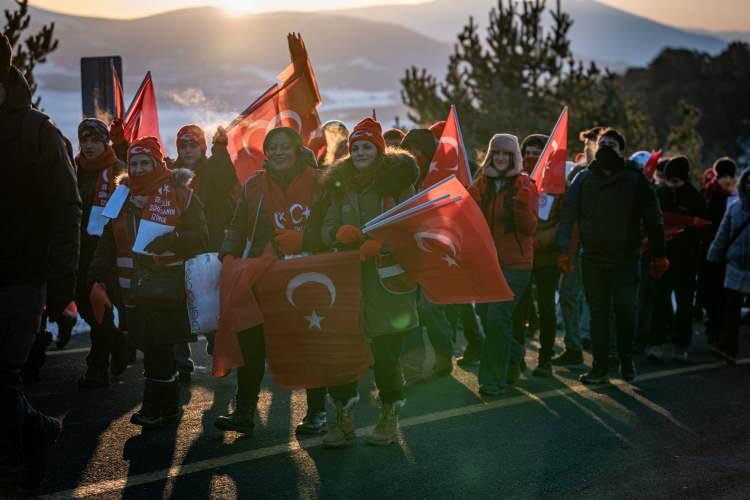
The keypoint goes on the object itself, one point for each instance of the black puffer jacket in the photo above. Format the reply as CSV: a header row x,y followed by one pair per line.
x,y
40,200
685,200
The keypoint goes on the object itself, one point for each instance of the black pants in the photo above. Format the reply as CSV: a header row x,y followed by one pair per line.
x,y
386,350
106,339
250,376
670,326
20,317
159,363
607,288
732,319
712,298
464,314
546,279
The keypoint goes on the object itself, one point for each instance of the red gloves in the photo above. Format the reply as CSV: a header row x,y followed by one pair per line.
x,y
564,264
99,301
117,132
228,258
658,267
290,242
523,196
370,249
349,235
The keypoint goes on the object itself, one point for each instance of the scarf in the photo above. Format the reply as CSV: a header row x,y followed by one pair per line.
x,y
104,160
288,203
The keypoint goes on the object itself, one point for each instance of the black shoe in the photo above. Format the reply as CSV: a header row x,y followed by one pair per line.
x,y
312,424
568,358
237,421
36,452
595,377
491,391
514,372
93,380
627,371
544,369
160,405
443,367
471,357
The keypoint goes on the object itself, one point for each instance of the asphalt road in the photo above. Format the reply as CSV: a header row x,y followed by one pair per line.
x,y
679,431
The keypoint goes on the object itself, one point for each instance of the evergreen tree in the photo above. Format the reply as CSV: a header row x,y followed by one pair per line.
x,y
34,49
684,139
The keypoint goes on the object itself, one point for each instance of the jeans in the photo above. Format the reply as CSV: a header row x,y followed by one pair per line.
x,y
572,307
386,350
500,348
465,314
439,329
611,288
20,318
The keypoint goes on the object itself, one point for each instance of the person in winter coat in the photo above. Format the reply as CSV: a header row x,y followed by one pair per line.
x,y
335,140
720,189
97,168
278,206
677,197
393,137
152,274
361,187
731,246
610,201
40,249
509,201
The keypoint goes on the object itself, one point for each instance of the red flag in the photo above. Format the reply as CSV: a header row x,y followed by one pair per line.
x,y
292,102
650,167
142,118
313,327
549,172
450,156
447,248
119,98
239,309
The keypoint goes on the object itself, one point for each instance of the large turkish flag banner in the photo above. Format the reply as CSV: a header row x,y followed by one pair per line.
x,y
450,157
142,119
313,320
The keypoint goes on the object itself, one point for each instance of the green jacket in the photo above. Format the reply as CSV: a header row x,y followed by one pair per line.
x,y
354,200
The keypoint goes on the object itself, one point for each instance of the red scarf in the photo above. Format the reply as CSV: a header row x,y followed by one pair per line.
x,y
163,207
290,209
147,184
104,160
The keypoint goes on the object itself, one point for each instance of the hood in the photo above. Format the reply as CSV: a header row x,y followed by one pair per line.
x,y
507,143
18,93
395,172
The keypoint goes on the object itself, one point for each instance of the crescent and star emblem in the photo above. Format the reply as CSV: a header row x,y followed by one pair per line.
x,y
313,319
446,240
453,143
299,213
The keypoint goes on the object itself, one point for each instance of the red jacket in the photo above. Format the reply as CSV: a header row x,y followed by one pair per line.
x,y
514,232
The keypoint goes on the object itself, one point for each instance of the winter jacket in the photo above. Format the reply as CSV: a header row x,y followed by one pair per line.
x,y
737,255
611,211
716,203
150,324
217,185
357,197
685,200
39,198
513,223
252,230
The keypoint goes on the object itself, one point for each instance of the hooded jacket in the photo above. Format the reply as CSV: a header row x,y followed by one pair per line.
x,y
40,198
357,197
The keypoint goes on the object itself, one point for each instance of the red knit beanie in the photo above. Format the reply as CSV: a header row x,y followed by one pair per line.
x,y
368,130
148,146
192,133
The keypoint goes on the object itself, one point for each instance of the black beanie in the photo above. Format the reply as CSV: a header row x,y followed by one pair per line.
x,y
725,167
6,57
422,140
678,168
539,140
292,134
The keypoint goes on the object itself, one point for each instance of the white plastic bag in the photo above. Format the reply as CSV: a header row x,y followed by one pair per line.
x,y
202,288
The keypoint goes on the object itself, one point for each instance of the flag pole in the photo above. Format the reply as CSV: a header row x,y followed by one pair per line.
x,y
463,146
549,141
387,213
411,211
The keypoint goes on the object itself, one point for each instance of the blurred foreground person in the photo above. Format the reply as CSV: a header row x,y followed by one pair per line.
x,y
39,257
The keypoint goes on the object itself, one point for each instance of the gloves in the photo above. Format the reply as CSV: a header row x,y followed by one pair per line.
x,y
370,249
228,258
290,242
523,196
220,136
564,264
162,244
349,235
658,267
117,132
99,301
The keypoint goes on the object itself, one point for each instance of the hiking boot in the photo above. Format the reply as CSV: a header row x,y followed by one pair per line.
x,y
491,391
544,369
315,423
627,371
93,379
472,356
443,366
342,431
160,405
241,419
386,430
568,358
595,376
36,447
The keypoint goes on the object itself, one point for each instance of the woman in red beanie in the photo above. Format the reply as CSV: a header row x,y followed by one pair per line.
x,y
151,273
361,186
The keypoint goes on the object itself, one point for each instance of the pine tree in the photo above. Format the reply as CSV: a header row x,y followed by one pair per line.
x,y
684,139
34,49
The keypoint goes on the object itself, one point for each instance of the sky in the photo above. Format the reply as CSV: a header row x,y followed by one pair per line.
x,y
713,15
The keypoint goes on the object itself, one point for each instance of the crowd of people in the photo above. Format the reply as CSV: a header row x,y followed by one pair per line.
x,y
624,260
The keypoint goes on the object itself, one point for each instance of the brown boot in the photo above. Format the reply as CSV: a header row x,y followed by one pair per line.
x,y
341,431
386,430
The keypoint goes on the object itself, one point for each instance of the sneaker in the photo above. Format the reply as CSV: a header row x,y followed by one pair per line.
x,y
443,366
471,357
568,358
491,390
317,423
627,371
595,377
386,430
543,370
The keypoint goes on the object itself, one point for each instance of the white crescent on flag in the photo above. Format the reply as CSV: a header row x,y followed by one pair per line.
x,y
303,278
285,115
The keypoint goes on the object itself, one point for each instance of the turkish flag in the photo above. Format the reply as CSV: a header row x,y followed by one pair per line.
x,y
653,161
142,118
549,172
446,247
239,310
313,320
450,157
292,102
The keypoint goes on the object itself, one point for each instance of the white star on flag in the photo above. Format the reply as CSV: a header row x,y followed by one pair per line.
x,y
450,260
314,321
